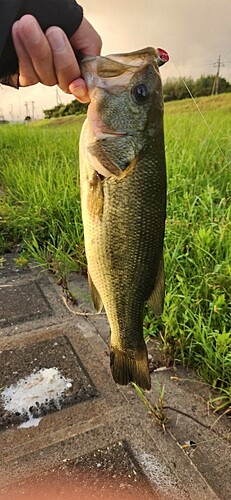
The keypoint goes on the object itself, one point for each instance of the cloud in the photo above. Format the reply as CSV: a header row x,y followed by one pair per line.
x,y
194,33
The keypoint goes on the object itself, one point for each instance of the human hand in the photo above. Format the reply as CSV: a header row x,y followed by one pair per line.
x,y
86,41
50,58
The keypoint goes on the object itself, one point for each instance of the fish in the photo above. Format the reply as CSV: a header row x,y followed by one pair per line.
x,y
123,200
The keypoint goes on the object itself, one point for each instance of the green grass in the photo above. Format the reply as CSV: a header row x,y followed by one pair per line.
x,y
195,326
40,212
40,209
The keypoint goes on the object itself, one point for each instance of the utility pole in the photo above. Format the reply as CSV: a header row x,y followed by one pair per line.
x,y
58,99
218,64
32,109
11,113
27,109
1,115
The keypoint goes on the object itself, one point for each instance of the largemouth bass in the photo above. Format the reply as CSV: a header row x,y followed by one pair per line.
x,y
123,198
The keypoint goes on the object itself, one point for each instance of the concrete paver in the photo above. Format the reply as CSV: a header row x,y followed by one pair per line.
x,y
22,302
99,441
106,469
27,359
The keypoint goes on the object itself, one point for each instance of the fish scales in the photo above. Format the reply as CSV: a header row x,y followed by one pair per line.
x,y
124,218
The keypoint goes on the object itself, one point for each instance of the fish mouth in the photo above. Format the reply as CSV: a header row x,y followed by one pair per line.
x,y
114,71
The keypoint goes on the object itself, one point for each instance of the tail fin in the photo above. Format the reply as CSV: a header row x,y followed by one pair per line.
x,y
130,367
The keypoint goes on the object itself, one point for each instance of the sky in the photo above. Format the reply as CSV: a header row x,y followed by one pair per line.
x,y
194,33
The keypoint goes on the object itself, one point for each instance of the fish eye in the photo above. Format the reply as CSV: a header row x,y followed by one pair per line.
x,y
140,93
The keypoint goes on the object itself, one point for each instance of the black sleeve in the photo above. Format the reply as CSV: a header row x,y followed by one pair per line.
x,y
66,14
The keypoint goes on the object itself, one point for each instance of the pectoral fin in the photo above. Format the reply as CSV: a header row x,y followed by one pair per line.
x,y
97,301
156,299
95,197
101,161
104,164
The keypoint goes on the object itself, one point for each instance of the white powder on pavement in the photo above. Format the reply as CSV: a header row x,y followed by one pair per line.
x,y
159,474
38,388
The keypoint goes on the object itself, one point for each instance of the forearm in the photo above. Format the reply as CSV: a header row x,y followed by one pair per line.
x,y
66,14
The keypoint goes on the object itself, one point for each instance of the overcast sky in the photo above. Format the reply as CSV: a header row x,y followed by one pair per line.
x,y
194,32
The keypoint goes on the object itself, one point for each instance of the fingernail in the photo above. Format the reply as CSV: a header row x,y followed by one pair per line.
x,y
56,39
79,91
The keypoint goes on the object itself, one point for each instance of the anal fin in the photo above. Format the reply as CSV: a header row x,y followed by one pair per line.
x,y
156,299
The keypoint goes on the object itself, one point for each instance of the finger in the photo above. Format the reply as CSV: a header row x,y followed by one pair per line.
x,y
86,40
65,63
79,89
38,49
27,74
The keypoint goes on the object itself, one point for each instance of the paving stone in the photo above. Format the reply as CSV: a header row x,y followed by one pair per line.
x,y
20,303
19,363
111,472
75,433
202,435
110,429
92,396
178,481
78,285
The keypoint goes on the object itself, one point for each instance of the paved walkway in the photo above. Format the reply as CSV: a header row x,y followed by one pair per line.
x,y
80,435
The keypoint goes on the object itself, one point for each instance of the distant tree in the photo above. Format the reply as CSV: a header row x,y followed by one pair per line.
x,y
204,85
174,88
27,118
54,112
73,108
